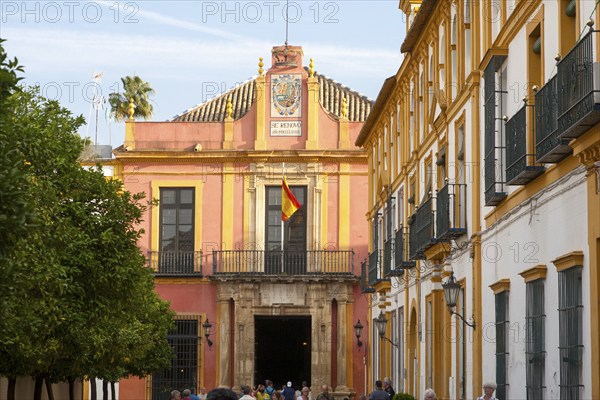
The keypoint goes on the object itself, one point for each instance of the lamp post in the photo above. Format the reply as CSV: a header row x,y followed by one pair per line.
x,y
357,331
207,325
451,292
358,327
381,322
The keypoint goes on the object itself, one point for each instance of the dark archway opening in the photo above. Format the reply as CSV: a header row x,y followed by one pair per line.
x,y
282,350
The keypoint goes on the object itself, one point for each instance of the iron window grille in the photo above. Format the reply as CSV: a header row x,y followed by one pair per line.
x,y
570,310
535,347
183,372
502,326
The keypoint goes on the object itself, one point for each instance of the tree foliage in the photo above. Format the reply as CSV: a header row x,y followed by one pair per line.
x,y
76,297
133,88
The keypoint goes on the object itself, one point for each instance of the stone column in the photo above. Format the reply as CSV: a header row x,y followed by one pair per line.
x,y
341,346
223,343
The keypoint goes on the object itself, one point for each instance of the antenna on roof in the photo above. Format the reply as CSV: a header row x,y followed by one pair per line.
x,y
287,20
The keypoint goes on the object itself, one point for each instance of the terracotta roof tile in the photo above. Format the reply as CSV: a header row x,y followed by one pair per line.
x,y
242,98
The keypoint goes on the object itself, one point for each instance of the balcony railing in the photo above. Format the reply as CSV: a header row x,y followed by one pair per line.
x,y
387,256
375,272
286,263
550,148
519,165
421,232
401,261
579,85
451,211
364,284
169,263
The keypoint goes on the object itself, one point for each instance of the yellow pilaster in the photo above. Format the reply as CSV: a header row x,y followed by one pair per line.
x,y
228,200
476,239
261,104
344,207
349,347
587,148
312,140
228,127
344,127
129,135
324,210
86,388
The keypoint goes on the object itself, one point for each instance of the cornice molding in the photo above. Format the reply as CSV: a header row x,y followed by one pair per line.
x,y
503,285
569,260
534,273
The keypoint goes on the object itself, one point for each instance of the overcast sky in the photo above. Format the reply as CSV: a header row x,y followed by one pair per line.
x,y
191,50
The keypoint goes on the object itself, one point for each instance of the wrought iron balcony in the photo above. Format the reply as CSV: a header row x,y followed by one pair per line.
x,y
579,89
175,263
519,165
283,263
401,261
550,148
493,196
375,267
387,257
421,231
451,211
364,284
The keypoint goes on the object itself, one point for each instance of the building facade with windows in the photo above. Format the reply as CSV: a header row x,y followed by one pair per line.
x,y
256,299
484,159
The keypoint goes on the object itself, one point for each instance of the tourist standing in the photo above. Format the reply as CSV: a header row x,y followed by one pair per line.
x,y
379,393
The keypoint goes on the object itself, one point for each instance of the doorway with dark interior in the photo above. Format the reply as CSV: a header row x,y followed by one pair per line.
x,y
282,350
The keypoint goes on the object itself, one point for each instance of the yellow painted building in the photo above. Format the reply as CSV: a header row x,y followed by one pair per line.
x,y
484,159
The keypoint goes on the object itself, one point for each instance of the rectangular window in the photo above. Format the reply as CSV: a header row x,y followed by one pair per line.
x,y
294,233
375,348
183,372
429,344
394,349
462,347
535,347
570,311
494,126
176,239
502,325
401,371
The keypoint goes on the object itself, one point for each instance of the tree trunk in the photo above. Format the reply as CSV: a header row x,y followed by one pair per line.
x,y
72,389
12,384
39,382
93,394
105,389
49,388
113,391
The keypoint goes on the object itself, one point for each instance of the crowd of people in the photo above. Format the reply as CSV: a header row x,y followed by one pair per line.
x,y
383,391
260,392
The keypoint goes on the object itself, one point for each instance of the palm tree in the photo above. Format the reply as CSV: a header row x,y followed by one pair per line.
x,y
138,90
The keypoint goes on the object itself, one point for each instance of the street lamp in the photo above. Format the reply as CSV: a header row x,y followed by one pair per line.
x,y
207,325
451,291
357,331
381,322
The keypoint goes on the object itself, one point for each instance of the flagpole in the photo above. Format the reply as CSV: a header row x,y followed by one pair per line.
x,y
282,180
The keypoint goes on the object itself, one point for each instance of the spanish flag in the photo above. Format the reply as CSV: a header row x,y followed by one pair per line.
x,y
289,203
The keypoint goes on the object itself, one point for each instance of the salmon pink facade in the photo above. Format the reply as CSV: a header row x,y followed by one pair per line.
x,y
256,298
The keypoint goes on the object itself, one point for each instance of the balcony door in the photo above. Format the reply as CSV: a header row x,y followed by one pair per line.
x,y
176,242
294,234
